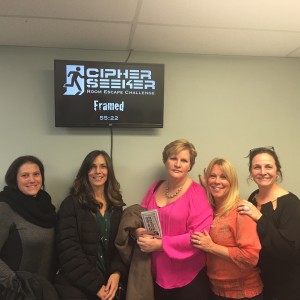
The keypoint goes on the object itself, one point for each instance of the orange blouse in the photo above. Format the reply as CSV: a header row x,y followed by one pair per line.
x,y
239,277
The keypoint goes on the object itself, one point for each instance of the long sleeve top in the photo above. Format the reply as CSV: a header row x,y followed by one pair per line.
x,y
24,247
179,262
279,234
238,277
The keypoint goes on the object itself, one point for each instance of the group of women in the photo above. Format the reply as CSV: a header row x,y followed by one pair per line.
x,y
82,233
214,245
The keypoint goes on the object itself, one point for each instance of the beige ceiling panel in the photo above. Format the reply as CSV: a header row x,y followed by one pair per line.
x,y
214,41
295,53
247,14
112,10
63,34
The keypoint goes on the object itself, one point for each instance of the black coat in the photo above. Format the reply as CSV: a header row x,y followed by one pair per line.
x,y
77,241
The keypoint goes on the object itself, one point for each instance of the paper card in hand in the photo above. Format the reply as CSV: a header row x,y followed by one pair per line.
x,y
151,222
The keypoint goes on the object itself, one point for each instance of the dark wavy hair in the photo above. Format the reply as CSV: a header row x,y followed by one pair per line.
x,y
82,189
12,171
269,150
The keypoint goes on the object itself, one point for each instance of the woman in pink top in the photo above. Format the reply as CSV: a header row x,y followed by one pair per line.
x,y
178,268
232,245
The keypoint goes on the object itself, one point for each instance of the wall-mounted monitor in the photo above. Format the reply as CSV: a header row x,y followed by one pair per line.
x,y
101,94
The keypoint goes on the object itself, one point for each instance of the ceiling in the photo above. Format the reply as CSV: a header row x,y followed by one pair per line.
x,y
214,27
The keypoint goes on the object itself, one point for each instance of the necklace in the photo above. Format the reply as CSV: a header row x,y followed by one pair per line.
x,y
173,195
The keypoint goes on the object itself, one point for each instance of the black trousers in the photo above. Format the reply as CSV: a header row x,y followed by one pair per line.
x,y
198,289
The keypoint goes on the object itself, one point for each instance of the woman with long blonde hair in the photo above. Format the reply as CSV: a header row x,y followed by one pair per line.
x,y
232,246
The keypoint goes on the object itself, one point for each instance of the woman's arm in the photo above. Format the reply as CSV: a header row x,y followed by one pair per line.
x,y
280,237
108,291
240,244
246,253
8,277
149,244
278,233
72,257
197,215
204,242
247,208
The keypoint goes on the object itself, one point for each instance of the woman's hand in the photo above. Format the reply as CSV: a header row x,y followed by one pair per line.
x,y
108,291
149,243
247,208
101,293
202,180
202,241
142,232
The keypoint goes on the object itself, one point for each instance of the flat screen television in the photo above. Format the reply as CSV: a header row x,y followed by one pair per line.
x,y
101,94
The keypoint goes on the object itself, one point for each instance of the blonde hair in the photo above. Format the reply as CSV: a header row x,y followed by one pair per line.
x,y
176,147
233,196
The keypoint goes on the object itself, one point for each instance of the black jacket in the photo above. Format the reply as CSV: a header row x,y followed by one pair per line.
x,y
77,241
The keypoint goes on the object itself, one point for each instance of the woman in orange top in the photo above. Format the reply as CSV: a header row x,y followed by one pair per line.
x,y
232,245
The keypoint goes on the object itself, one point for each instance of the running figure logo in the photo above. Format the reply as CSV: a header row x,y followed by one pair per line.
x,y
74,80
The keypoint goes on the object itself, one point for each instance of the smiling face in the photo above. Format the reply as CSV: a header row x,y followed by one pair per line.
x,y
179,164
218,184
98,173
29,179
263,170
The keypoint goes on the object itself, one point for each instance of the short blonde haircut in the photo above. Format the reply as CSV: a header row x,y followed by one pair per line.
x,y
177,146
229,171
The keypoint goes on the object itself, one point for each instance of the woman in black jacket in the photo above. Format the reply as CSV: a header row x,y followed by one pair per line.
x,y
90,266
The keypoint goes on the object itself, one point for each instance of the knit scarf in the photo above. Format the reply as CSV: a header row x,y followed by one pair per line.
x,y
37,210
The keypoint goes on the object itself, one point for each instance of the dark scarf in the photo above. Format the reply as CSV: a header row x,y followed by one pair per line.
x,y
36,210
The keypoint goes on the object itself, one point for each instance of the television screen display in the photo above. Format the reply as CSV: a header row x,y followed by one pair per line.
x,y
101,94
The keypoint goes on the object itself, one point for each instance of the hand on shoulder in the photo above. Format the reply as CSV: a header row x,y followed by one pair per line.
x,y
245,207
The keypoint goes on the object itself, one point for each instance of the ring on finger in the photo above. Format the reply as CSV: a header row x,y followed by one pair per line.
x,y
246,207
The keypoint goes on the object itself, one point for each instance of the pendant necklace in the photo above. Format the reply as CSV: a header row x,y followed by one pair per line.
x,y
173,195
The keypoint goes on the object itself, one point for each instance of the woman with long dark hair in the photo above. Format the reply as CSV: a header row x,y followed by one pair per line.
x,y
90,267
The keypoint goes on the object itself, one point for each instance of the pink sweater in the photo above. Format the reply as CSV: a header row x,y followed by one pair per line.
x,y
179,262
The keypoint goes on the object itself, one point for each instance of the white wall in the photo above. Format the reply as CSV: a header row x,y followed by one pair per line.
x,y
224,105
